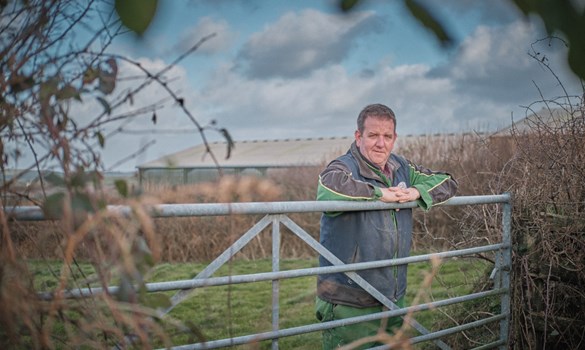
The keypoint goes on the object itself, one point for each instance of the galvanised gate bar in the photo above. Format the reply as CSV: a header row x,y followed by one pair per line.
x,y
276,215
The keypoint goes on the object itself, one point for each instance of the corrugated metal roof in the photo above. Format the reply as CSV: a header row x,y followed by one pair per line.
x,y
257,153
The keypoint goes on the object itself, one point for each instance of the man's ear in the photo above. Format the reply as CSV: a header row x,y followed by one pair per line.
x,y
358,136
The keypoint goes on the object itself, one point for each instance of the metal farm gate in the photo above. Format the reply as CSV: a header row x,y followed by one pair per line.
x,y
275,215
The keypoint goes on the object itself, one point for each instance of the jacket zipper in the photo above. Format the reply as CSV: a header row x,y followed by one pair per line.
x,y
388,182
395,267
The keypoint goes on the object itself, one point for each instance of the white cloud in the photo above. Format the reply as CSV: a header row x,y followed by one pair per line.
x,y
493,65
325,103
493,51
223,39
487,81
300,42
488,78
479,89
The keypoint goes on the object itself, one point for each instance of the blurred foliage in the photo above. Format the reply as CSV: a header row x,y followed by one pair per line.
x,y
558,16
136,15
427,19
61,100
561,16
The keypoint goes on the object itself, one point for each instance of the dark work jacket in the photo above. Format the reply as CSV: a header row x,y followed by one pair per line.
x,y
361,236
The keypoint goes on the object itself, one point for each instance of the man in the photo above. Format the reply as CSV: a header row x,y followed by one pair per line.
x,y
370,171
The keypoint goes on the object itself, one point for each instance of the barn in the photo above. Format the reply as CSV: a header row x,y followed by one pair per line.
x,y
254,157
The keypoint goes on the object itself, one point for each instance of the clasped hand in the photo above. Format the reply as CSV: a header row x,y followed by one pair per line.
x,y
399,195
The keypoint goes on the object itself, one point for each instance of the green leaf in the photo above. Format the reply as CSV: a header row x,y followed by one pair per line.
x,y
95,177
89,76
55,179
48,89
78,179
426,18
53,206
80,202
524,5
142,255
20,83
101,139
122,187
576,59
105,104
136,15
68,92
347,5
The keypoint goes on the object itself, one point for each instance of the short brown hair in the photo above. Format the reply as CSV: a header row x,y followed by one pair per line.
x,y
375,110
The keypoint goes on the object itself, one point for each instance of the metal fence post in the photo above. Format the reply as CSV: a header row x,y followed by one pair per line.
x,y
275,282
506,257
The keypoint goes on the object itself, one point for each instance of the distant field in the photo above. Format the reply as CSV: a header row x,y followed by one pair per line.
x,y
228,311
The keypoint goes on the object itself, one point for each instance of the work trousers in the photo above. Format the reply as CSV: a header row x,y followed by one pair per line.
x,y
335,337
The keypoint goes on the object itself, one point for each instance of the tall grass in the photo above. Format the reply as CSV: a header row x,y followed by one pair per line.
x,y
467,157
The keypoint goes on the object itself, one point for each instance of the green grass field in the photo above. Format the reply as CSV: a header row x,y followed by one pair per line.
x,y
229,311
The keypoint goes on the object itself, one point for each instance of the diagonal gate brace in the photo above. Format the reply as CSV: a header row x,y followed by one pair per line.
x,y
302,234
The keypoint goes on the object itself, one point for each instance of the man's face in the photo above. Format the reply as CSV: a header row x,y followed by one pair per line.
x,y
377,140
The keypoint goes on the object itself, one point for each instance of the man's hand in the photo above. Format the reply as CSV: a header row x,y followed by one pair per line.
x,y
399,195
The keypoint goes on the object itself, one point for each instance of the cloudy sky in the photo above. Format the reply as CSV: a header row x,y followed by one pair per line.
x,y
300,69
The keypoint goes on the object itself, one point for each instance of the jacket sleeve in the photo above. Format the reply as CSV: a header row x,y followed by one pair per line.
x,y
435,187
337,183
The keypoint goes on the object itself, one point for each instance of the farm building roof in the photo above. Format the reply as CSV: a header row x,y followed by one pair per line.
x,y
256,153
553,119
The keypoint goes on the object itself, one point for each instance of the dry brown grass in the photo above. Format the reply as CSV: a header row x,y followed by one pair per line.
x,y
543,171
471,158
